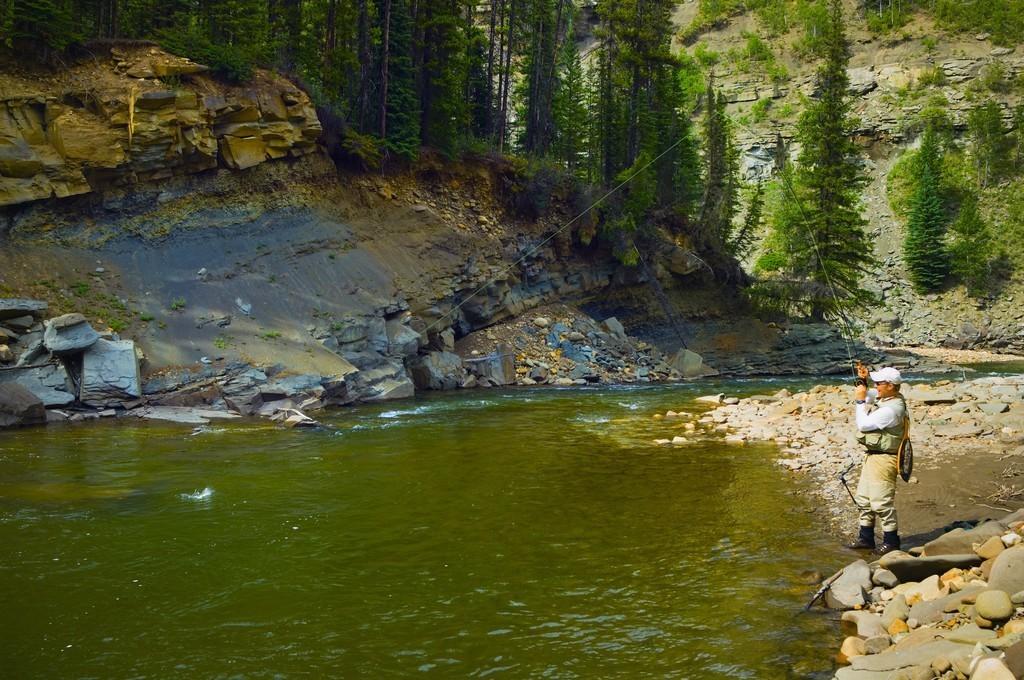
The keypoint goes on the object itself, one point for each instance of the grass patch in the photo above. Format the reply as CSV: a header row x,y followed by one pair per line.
x,y
178,304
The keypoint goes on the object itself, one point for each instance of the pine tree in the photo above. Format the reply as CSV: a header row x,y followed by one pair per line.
x,y
741,243
442,46
401,130
721,169
1018,147
820,243
987,141
42,27
570,114
924,249
971,248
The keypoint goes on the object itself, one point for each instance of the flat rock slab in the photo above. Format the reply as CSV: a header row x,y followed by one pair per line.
x,y
110,373
894,660
69,334
931,611
182,414
931,397
908,568
49,383
11,308
961,542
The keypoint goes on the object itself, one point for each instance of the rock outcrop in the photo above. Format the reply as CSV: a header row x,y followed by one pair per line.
x,y
113,122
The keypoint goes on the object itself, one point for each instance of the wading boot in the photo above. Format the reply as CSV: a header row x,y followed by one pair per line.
x,y
865,540
890,542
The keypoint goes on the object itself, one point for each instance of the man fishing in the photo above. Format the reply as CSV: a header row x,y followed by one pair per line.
x,y
882,420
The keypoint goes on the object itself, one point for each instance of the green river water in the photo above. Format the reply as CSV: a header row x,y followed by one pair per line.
x,y
520,533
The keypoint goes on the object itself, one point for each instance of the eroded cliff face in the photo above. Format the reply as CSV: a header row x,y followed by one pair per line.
x,y
138,115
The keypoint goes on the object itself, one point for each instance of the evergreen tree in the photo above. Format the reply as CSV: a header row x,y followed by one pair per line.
x,y
401,131
819,250
721,167
971,248
1018,146
987,141
924,249
41,27
742,241
442,47
570,113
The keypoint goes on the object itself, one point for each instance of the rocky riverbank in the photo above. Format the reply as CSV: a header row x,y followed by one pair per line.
x,y
950,609
61,368
953,421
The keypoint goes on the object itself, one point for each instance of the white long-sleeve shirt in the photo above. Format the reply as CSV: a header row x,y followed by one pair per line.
x,y
881,418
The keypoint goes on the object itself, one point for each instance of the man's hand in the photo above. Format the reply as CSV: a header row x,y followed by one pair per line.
x,y
862,371
860,393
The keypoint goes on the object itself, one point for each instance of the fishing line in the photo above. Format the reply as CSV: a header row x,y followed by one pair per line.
x,y
817,252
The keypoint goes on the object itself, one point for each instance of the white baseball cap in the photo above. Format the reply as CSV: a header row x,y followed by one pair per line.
x,y
887,374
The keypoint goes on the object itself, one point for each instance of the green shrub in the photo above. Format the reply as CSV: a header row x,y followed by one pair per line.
x,y
972,250
993,77
759,111
932,77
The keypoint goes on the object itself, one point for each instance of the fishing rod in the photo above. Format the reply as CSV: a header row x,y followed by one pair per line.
x,y
842,478
825,587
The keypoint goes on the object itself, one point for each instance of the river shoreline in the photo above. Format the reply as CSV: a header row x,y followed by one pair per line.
x,y
914,614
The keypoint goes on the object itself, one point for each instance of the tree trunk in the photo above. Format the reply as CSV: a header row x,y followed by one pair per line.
x,y
385,56
365,59
503,118
489,95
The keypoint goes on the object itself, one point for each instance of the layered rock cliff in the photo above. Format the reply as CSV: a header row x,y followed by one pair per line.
x,y
140,115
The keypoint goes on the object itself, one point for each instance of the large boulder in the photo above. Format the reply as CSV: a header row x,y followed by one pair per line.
x,y
18,406
613,326
49,383
378,378
1008,571
69,334
403,341
110,373
437,371
11,308
848,591
494,369
688,364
